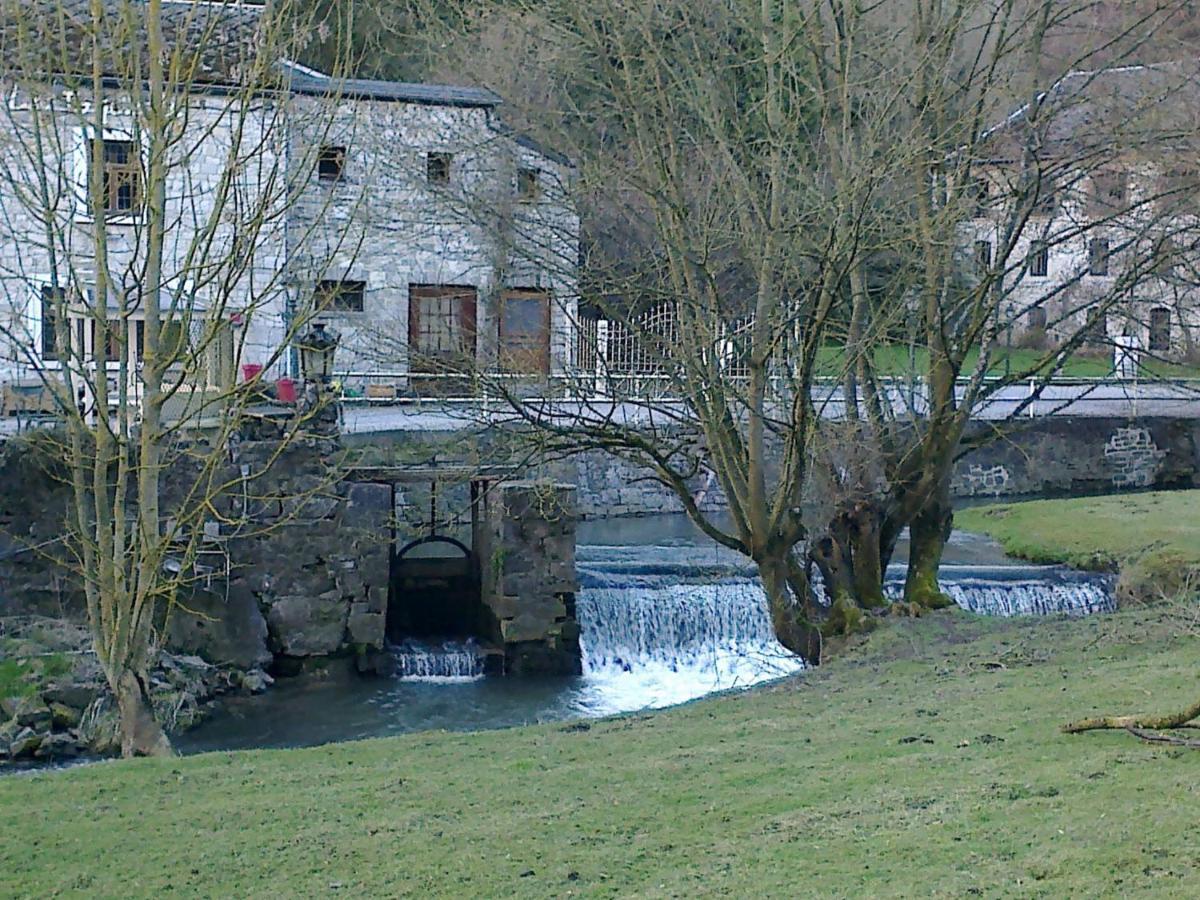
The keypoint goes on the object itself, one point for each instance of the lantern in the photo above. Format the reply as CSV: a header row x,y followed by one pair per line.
x,y
317,348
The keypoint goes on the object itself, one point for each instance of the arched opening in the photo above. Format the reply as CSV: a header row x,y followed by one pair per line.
x,y
435,591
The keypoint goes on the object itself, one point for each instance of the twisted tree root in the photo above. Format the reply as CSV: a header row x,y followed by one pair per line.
x,y
1134,723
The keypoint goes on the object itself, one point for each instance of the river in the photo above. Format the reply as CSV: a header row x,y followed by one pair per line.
x,y
666,616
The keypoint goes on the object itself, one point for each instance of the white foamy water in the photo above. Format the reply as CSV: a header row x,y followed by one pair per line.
x,y
450,662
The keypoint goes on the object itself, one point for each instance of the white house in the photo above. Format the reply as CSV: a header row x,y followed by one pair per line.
x,y
1110,239
406,216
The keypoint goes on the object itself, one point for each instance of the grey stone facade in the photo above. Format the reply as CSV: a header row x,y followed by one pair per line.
x,y
381,223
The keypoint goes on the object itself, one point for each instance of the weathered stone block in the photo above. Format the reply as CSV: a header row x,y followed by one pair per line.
x,y
222,629
365,627
308,626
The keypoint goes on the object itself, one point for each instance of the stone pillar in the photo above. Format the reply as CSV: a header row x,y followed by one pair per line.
x,y
533,567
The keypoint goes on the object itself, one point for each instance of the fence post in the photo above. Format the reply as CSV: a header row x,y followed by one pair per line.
x,y
601,355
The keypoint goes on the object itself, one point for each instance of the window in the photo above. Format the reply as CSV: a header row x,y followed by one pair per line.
x,y
121,175
1039,259
981,195
1095,332
1098,256
441,326
1045,202
331,163
1111,188
525,332
983,256
1037,319
110,338
52,300
528,186
171,346
1160,329
340,296
1165,255
437,168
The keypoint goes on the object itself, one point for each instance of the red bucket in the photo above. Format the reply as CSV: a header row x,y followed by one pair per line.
x,y
250,371
285,390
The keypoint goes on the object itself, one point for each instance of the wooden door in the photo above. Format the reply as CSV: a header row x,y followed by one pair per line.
x,y
441,328
525,332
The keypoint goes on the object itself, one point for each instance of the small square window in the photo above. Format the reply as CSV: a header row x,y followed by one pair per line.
x,y
983,256
528,184
340,296
1039,259
1098,251
331,163
437,168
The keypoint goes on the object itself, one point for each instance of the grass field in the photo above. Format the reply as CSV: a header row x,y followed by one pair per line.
x,y
926,761
1094,532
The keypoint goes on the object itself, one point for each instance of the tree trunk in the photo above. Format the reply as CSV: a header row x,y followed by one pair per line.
x,y
928,532
141,735
793,617
865,541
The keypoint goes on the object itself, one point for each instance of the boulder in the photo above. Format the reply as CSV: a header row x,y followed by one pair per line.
x,y
58,746
308,626
77,695
222,632
25,744
64,716
256,682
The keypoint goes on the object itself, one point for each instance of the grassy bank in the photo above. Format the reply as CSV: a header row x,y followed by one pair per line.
x,y
927,760
1095,532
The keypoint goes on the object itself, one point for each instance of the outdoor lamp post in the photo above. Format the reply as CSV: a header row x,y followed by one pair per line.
x,y
317,348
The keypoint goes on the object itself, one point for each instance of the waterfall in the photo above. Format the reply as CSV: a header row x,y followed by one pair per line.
x,y
1051,595
662,625
450,661
1019,590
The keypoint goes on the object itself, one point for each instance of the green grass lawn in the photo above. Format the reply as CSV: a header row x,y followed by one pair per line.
x,y
896,361
1094,532
926,761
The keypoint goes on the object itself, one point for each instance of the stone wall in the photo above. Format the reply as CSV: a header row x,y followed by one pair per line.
x,y
532,587
1083,455
294,564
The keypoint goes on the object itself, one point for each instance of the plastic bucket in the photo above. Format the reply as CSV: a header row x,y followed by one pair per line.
x,y
250,371
285,390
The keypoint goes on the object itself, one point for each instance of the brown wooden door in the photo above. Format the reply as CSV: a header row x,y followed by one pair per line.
x,y
441,328
525,332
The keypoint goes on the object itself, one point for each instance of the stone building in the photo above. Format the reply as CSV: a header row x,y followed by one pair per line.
x,y
407,216
1084,213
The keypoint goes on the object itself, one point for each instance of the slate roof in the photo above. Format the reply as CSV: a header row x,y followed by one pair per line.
x,y
1125,108
302,80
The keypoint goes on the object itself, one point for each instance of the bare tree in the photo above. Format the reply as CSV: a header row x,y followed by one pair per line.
x,y
150,157
1074,176
760,180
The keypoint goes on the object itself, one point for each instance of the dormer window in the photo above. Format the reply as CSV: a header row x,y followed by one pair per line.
x,y
529,186
331,163
120,175
437,168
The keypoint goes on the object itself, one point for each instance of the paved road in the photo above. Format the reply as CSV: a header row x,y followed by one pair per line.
x,y
1111,400
1108,399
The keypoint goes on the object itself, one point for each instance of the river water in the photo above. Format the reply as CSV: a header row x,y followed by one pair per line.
x,y
666,616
